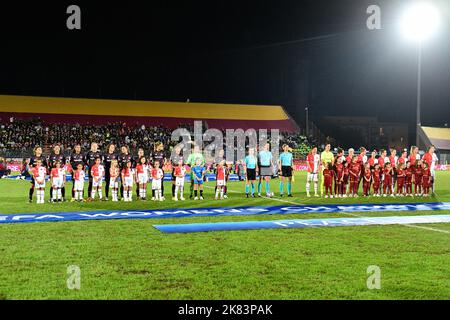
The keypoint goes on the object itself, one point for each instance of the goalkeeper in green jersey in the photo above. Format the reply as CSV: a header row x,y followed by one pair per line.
x,y
191,162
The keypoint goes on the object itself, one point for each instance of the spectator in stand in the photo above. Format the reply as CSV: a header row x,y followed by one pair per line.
x,y
4,171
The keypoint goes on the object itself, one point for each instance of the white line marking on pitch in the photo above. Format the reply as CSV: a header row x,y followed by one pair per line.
x,y
404,224
351,214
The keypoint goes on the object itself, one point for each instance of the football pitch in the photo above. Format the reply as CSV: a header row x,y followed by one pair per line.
x,y
130,259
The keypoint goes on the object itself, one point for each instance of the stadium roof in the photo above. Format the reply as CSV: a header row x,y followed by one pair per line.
x,y
439,137
171,114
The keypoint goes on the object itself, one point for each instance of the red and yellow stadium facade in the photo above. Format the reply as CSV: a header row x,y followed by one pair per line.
x,y
169,114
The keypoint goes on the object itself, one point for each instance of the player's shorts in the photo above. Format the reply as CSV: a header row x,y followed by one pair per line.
x,y
128,182
265,171
221,183
286,171
251,174
79,185
179,181
37,185
114,183
199,182
312,177
142,178
156,184
98,183
57,183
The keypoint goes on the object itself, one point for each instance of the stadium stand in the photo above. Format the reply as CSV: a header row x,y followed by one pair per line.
x,y
29,121
167,114
440,138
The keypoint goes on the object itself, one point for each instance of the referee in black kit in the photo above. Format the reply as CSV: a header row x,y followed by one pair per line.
x,y
75,159
89,160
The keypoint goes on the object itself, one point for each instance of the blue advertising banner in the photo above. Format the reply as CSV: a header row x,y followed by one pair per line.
x,y
218,211
299,223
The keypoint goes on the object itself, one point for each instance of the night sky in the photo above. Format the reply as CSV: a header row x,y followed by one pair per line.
x,y
290,53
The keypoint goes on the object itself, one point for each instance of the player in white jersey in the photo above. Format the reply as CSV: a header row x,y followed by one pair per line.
x,y
79,176
114,174
58,179
157,181
142,177
98,173
39,173
128,182
431,159
313,163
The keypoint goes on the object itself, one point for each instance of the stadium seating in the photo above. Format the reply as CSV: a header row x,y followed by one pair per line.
x,y
440,138
168,114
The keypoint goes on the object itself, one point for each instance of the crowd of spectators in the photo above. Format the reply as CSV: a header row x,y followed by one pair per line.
x,y
19,137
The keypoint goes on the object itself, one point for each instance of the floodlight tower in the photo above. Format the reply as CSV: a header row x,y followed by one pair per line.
x,y
418,24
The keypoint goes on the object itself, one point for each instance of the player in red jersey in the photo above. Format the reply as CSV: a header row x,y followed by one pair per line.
x,y
351,153
388,172
413,157
418,173
220,179
339,177
408,179
393,159
401,176
431,159
403,158
313,161
345,178
373,159
78,187
367,180
128,181
179,173
157,181
98,174
57,180
142,177
362,159
355,172
38,172
376,177
426,179
328,175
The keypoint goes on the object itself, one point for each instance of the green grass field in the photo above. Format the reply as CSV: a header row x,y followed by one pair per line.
x,y
129,259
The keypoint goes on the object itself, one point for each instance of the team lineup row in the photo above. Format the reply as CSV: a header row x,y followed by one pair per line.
x,y
380,175
380,172
112,170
